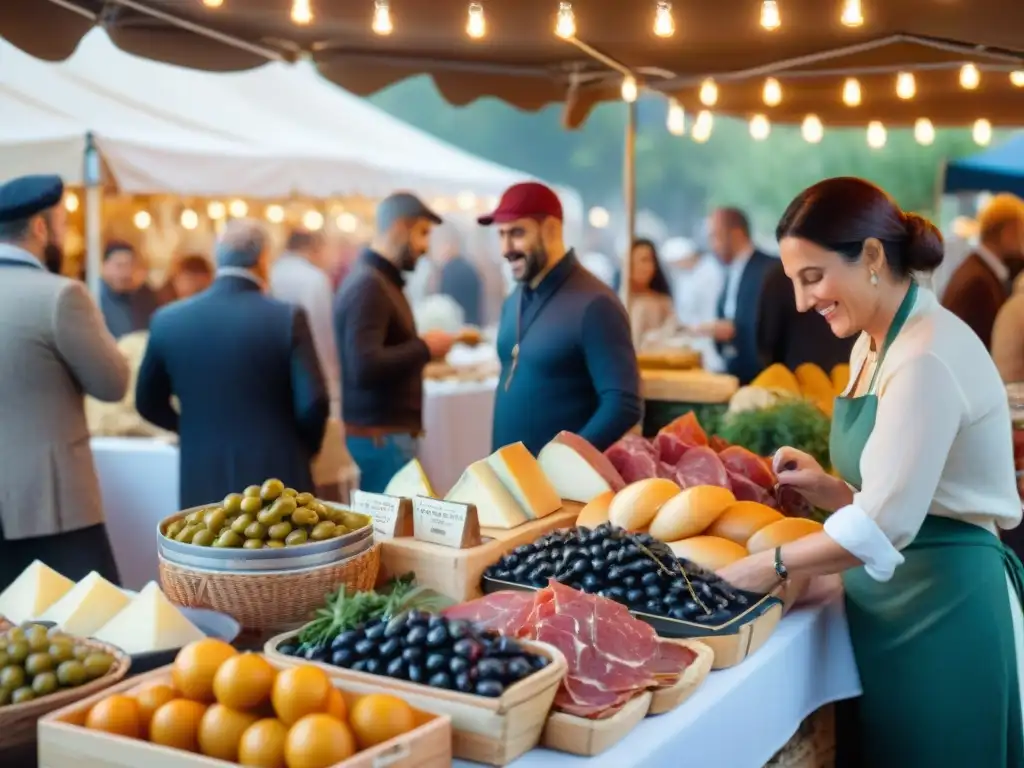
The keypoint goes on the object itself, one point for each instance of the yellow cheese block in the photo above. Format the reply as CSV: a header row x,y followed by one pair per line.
x,y
840,378
480,486
410,481
36,589
777,377
149,623
88,606
522,475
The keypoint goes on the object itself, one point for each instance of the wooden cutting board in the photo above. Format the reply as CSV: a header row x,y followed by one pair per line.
x,y
696,386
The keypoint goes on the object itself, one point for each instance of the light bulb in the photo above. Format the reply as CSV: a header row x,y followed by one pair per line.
x,y
213,3
851,92
598,217
664,24
702,126
476,24
982,132
760,127
189,219
465,201
906,85
313,220
876,135
347,222
708,93
71,202
301,12
238,208
142,220
770,18
565,23
216,210
853,15
274,214
772,93
812,129
970,77
924,132
1017,78
382,18
676,119
629,89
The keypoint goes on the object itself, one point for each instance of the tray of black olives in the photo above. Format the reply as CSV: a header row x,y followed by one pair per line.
x,y
676,597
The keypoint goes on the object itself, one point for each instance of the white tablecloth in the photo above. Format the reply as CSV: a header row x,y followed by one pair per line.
x,y
457,420
739,717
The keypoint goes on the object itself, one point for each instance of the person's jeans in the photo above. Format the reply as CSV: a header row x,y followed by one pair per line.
x,y
379,458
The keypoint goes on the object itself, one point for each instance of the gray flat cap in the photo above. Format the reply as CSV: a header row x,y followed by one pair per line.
x,y
402,206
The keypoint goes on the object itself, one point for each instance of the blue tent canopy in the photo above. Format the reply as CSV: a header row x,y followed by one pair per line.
x,y
999,169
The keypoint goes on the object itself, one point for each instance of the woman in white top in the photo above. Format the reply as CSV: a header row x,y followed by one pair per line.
x,y
922,441
650,298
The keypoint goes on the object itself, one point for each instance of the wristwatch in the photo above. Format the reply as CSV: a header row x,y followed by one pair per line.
x,y
780,567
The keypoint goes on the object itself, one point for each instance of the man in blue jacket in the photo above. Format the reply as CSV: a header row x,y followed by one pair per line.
x,y
567,357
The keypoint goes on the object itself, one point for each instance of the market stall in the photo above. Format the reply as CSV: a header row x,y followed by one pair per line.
x,y
999,169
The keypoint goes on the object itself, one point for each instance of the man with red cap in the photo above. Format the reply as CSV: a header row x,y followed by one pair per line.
x,y
567,357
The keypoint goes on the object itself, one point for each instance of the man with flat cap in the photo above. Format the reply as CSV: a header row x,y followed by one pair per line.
x,y
382,356
567,356
244,368
55,349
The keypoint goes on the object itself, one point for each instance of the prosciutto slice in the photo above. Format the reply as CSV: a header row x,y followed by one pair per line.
x,y
701,466
687,429
633,458
740,461
669,448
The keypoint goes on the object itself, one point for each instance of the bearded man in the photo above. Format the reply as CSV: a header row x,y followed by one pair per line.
x,y
567,356
382,357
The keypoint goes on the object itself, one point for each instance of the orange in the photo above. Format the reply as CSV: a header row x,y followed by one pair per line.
x,y
176,724
116,714
336,705
300,691
244,682
197,664
262,744
318,741
221,729
378,717
150,700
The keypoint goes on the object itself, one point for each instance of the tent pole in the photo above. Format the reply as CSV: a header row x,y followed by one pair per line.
x,y
629,199
93,216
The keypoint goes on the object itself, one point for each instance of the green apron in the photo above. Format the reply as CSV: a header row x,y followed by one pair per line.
x,y
934,645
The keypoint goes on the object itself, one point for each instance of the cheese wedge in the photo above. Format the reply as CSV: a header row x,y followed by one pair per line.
x,y
577,470
89,605
148,624
410,481
480,486
36,589
521,474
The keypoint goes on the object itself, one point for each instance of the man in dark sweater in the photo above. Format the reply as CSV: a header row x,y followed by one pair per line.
x,y
567,357
126,304
382,357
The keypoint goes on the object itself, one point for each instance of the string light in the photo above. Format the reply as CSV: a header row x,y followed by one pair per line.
x,y
664,24
142,220
770,18
598,217
853,15
189,219
302,13
216,210
760,128
812,129
982,132
1017,78
906,85
970,77
347,222
565,22
876,135
274,214
676,119
213,3
629,89
382,18
924,132
772,93
702,126
71,202
238,208
708,93
476,24
851,92
313,220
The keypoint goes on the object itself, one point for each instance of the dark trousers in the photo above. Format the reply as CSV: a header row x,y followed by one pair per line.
x,y
73,554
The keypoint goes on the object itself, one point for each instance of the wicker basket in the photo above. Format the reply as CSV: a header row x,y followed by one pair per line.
x,y
18,721
267,601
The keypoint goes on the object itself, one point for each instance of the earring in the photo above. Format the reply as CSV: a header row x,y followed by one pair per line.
x,y
874,278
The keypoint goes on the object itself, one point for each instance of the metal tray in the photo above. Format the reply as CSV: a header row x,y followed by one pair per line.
x,y
664,625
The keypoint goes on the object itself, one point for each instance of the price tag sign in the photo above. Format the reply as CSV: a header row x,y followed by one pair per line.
x,y
447,523
391,515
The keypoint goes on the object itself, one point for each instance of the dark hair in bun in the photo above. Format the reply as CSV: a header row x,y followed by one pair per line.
x,y
840,214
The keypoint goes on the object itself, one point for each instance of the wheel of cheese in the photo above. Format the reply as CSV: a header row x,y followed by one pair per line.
x,y
635,506
710,552
690,512
782,532
742,520
596,512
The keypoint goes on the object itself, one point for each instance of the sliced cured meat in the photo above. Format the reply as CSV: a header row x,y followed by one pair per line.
x,y
671,658
717,444
633,458
504,612
669,448
701,466
791,502
667,471
687,429
743,462
745,489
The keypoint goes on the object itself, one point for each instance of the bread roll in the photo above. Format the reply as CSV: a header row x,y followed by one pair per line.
x,y
710,552
782,532
635,506
742,520
690,512
596,512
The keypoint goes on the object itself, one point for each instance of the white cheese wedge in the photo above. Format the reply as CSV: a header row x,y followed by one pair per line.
x,y
480,486
148,624
410,481
521,474
88,606
577,470
36,589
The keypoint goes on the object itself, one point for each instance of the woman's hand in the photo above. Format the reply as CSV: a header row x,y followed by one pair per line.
x,y
801,472
755,573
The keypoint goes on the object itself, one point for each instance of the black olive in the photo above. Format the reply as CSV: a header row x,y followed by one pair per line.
x,y
287,649
716,617
375,666
437,621
490,688
608,544
365,647
317,653
570,552
504,646
564,576
538,661
435,662
376,632
629,581
703,589
537,574
397,668
650,578
520,571
598,564
468,649
510,561
491,669
397,626
359,666
581,567
690,609
463,682
634,596
390,648
440,680
342,657
671,599
416,636
412,655
616,593
653,591
591,582
417,617
457,664
437,636
416,674
595,550
653,606
641,567
518,668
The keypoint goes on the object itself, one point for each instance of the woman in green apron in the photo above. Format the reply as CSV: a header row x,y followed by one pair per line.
x,y
922,442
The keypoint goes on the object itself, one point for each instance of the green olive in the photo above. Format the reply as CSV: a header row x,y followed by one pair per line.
x,y
215,519
304,499
61,650
305,516
194,517
271,489
353,520
280,531
296,537
72,674
252,490
185,537
18,651
14,634
253,544
289,492
322,531
256,531
4,658
44,684
320,508
242,522
228,539
204,538
12,678
174,529
269,516
98,664
37,639
252,504
284,506
37,663
22,695
232,503
340,530
273,544
82,652
5,697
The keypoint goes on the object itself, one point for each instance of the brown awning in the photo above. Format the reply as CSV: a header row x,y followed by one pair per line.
x,y
523,62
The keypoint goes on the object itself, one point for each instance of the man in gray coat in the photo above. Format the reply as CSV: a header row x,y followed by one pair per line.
x,y
55,349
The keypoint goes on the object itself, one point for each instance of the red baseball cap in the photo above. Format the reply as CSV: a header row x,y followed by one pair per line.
x,y
529,200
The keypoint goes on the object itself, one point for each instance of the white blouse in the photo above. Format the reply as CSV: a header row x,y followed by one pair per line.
x,y
941,445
